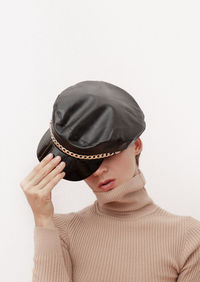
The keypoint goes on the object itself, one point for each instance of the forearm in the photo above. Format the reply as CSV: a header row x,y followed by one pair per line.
x,y
49,263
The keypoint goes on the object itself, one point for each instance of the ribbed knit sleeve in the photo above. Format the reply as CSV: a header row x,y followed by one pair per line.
x,y
190,255
52,262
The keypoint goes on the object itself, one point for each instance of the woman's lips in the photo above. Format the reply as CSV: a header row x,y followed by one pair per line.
x,y
108,186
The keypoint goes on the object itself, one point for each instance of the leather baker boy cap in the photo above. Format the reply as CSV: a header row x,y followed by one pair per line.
x,y
91,120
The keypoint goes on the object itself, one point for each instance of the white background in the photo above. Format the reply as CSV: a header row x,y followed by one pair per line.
x,y
149,48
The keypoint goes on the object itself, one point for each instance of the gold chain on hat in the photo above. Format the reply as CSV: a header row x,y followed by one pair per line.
x,y
64,150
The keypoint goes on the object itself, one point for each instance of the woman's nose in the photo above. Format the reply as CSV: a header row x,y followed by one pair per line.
x,y
100,170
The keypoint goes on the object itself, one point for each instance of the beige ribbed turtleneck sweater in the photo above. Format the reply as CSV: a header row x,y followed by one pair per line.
x,y
122,237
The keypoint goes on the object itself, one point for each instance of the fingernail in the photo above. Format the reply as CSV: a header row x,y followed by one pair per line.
x,y
58,158
49,156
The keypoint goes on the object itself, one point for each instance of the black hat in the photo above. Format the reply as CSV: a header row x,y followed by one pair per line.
x,y
91,120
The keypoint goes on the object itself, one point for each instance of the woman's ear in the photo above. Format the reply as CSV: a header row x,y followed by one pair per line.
x,y
138,146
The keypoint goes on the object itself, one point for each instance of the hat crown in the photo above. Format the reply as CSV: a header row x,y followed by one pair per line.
x,y
96,117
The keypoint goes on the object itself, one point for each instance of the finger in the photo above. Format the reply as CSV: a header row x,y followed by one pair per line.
x,y
45,170
51,175
39,166
52,183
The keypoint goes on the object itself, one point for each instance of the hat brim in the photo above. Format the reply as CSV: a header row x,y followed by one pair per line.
x,y
76,169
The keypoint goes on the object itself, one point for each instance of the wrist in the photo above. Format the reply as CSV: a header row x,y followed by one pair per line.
x,y
44,222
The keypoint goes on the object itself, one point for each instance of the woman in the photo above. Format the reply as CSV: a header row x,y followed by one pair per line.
x,y
123,235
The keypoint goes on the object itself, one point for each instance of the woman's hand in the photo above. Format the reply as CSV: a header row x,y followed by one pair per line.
x,y
37,188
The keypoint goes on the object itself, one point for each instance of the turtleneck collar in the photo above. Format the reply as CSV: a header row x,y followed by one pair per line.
x,y
129,199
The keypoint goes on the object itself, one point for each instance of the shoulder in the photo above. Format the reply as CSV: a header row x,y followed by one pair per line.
x,y
183,223
192,231
184,233
185,219
188,225
64,221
